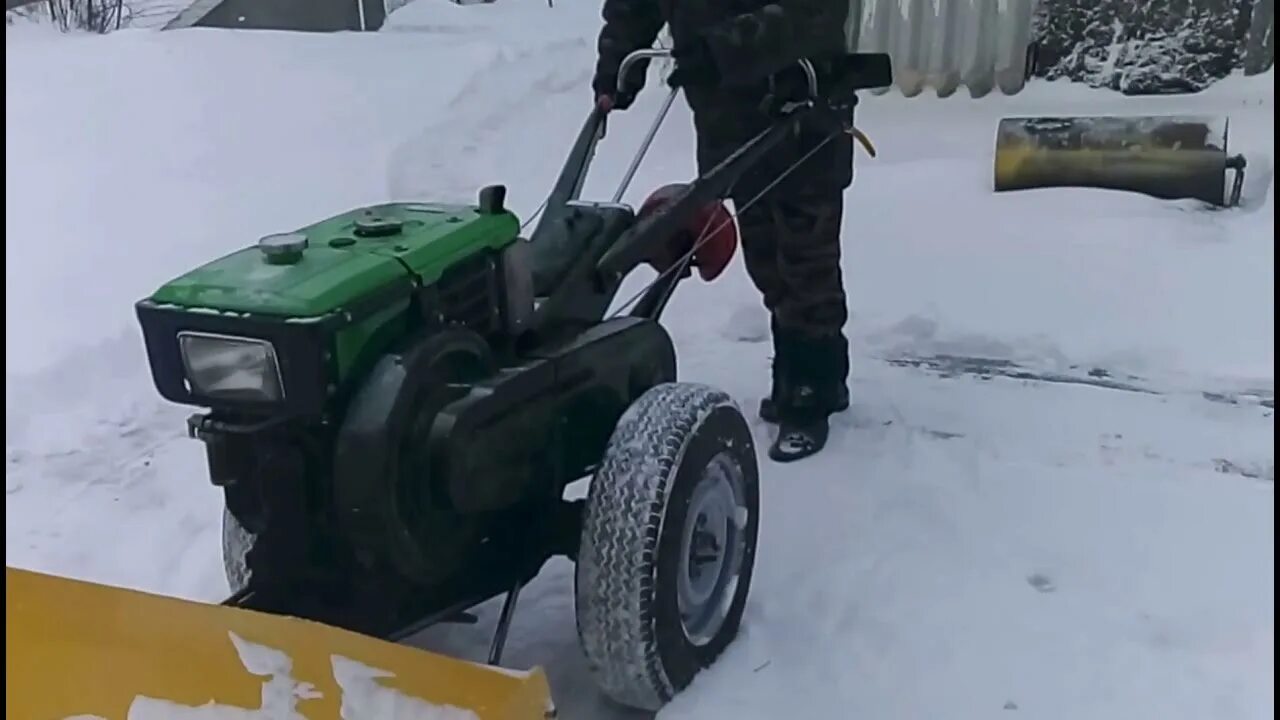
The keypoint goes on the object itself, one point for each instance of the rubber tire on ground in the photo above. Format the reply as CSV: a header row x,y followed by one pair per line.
x,y
626,592
236,544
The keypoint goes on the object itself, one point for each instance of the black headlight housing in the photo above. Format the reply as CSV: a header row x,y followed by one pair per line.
x,y
295,356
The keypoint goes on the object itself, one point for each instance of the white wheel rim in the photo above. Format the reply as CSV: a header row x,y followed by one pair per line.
x,y
712,546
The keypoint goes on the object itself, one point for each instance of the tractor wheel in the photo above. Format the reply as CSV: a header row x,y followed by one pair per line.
x,y
668,543
237,541
249,544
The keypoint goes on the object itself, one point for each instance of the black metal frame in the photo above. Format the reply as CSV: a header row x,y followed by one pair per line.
x,y
589,285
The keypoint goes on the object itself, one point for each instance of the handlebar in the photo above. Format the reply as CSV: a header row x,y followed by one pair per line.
x,y
635,57
810,75
653,53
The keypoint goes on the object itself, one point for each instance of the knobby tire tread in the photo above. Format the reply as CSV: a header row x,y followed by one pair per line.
x,y
617,565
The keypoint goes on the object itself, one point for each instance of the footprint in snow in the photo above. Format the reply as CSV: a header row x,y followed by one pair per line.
x,y
1041,583
942,434
1248,470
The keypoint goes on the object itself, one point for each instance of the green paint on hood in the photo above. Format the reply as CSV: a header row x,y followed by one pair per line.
x,y
347,258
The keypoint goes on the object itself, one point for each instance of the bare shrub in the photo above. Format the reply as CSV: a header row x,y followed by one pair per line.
x,y
97,16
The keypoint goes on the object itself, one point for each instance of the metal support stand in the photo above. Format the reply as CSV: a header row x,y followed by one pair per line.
x,y
504,624
1236,163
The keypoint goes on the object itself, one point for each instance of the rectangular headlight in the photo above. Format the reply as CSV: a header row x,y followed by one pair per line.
x,y
231,368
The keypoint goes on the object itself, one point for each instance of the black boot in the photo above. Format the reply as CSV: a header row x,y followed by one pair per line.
x,y
801,431
817,389
782,350
836,400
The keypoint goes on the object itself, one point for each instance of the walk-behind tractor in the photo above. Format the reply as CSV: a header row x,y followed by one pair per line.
x,y
398,397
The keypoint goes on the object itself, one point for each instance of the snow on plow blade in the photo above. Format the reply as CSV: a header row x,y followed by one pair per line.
x,y
1171,158
86,651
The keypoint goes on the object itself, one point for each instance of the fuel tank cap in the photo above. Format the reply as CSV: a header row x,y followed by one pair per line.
x,y
377,225
283,248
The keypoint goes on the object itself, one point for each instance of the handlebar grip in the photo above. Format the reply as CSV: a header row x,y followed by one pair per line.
x,y
635,57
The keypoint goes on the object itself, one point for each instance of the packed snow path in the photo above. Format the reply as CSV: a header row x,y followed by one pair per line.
x,y
1052,498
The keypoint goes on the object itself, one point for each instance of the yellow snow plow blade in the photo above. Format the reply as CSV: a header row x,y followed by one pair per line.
x,y
83,651
1171,157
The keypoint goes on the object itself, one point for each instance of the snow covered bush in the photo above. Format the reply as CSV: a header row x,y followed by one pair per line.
x,y
99,16
1142,47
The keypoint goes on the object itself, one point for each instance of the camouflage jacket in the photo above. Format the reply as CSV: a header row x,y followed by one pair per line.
x,y
750,39
754,43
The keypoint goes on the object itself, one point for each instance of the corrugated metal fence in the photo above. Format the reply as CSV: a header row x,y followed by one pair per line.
x,y
983,44
1260,47
946,44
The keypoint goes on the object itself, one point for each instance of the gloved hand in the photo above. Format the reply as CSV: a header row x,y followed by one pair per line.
x,y
695,65
605,87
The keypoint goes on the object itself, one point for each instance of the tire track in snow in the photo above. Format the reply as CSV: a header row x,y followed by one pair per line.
x,y
106,390
96,468
451,160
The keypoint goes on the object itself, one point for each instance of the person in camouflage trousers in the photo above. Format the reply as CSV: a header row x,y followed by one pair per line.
x,y
730,56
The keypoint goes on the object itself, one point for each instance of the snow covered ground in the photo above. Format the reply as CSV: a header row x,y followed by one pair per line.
x,y
1053,497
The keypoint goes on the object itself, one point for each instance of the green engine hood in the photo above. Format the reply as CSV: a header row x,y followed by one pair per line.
x,y
346,258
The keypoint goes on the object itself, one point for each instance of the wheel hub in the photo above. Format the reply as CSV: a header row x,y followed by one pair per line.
x,y
713,544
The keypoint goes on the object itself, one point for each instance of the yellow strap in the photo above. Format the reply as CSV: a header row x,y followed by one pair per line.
x,y
863,140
